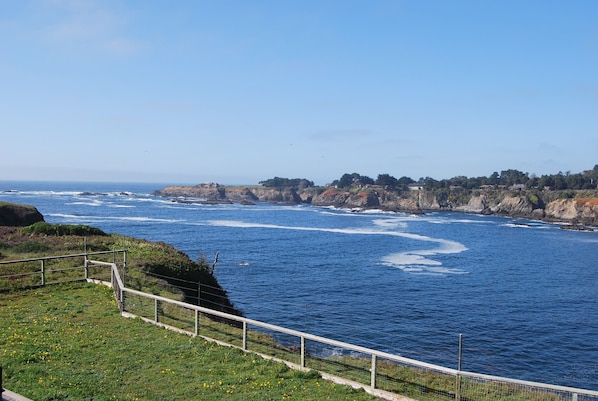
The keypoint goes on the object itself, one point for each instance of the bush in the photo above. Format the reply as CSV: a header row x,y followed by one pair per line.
x,y
62,229
31,247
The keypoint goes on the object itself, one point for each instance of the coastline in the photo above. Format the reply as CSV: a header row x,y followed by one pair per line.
x,y
573,209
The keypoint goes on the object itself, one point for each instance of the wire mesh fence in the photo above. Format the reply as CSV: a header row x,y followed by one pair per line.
x,y
35,272
375,371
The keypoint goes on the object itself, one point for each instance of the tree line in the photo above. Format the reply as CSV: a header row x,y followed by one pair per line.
x,y
278,182
587,179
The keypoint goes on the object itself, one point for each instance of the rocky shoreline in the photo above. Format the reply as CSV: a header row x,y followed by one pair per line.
x,y
572,208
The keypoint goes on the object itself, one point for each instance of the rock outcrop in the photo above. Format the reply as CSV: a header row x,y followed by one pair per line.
x,y
550,206
576,211
345,199
477,204
12,214
515,206
212,192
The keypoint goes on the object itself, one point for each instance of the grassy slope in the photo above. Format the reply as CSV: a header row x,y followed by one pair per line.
x,y
145,260
68,342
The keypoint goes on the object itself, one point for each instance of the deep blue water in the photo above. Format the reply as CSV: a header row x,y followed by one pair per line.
x,y
525,297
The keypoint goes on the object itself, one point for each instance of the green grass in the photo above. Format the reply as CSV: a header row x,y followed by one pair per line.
x,y
153,267
68,342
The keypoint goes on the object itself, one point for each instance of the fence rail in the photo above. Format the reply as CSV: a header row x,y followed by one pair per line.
x,y
34,272
383,374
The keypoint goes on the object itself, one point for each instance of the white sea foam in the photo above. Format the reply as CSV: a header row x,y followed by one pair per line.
x,y
391,223
415,261
516,225
50,193
114,218
68,216
528,225
93,203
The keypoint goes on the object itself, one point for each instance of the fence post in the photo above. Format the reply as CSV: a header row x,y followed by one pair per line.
x,y
156,311
85,263
302,351
196,322
244,336
458,376
43,272
373,379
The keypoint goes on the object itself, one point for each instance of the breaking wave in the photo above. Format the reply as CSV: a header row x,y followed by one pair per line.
x,y
113,218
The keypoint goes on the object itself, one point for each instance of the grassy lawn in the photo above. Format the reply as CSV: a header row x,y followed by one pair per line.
x,y
68,342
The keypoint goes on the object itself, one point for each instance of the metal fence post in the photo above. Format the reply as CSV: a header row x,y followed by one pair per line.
x,y
156,310
458,376
373,379
43,272
245,336
302,351
196,322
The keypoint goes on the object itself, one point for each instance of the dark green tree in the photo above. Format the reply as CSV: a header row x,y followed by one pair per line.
x,y
387,180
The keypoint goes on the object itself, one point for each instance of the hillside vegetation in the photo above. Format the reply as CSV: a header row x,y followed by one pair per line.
x,y
69,342
154,267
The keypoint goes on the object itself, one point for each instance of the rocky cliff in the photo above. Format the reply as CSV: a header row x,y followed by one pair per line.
x,y
567,207
212,192
578,210
367,199
12,214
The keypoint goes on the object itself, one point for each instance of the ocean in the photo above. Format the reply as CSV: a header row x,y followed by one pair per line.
x,y
524,294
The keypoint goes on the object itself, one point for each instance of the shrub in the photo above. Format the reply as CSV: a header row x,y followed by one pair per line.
x,y
31,247
62,229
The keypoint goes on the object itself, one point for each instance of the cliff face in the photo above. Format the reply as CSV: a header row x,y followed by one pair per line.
x,y
345,199
216,192
210,192
12,214
550,206
580,210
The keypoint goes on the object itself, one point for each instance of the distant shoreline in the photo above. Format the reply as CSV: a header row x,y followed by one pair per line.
x,y
574,209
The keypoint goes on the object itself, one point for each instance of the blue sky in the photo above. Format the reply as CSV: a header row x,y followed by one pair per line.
x,y
241,91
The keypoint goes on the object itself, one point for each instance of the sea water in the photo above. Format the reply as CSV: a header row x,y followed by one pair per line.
x,y
523,294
